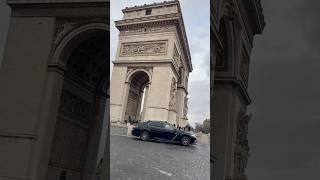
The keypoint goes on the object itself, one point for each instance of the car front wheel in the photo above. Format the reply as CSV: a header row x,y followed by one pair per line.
x,y
185,140
144,135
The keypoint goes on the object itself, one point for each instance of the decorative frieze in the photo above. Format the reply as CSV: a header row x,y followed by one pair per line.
x,y
144,30
144,48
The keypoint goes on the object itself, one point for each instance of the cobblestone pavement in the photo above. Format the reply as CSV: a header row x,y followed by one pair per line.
x,y
133,159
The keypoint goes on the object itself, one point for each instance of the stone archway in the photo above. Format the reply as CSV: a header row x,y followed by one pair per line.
x,y
160,47
76,141
137,94
39,48
232,44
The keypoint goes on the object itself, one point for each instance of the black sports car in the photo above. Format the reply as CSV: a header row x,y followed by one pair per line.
x,y
164,132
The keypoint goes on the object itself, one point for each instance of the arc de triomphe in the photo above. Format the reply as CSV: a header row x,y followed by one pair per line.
x,y
54,87
234,25
152,65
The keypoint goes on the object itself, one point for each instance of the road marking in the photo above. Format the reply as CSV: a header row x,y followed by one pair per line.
x,y
163,172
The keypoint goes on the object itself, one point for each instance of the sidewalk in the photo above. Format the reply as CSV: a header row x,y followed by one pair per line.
x,y
118,130
203,138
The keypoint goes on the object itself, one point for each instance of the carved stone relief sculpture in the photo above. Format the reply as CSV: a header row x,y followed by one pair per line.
x,y
186,81
242,148
176,56
144,48
173,91
75,107
185,110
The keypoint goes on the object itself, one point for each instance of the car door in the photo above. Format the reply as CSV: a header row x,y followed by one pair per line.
x,y
168,132
155,129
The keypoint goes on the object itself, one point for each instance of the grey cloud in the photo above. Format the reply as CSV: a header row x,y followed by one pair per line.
x,y
200,100
285,91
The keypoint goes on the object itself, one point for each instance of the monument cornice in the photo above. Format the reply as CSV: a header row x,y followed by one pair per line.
x,y
165,3
160,20
147,19
141,61
183,88
236,83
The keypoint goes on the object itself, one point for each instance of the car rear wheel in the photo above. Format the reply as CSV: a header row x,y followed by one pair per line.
x,y
144,135
185,140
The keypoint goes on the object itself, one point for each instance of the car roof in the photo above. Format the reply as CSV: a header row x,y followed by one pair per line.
x,y
158,121
147,122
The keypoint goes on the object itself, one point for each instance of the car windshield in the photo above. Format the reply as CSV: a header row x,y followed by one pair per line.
x,y
168,126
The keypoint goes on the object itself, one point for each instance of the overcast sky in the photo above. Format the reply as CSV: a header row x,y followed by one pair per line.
x,y
284,86
198,33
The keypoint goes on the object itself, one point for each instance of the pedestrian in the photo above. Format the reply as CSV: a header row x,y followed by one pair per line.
x,y
129,119
129,129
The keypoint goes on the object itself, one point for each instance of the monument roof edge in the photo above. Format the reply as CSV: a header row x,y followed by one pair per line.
x,y
16,2
134,8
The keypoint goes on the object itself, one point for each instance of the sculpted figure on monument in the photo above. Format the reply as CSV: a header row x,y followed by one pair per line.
x,y
173,94
185,110
143,48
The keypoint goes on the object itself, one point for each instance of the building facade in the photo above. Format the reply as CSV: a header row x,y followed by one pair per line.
x,y
152,65
234,23
54,90
206,126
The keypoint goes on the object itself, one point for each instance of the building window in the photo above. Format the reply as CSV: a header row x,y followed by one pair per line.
x,y
148,11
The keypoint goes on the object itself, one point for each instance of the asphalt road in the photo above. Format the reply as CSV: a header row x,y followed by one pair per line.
x,y
134,159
